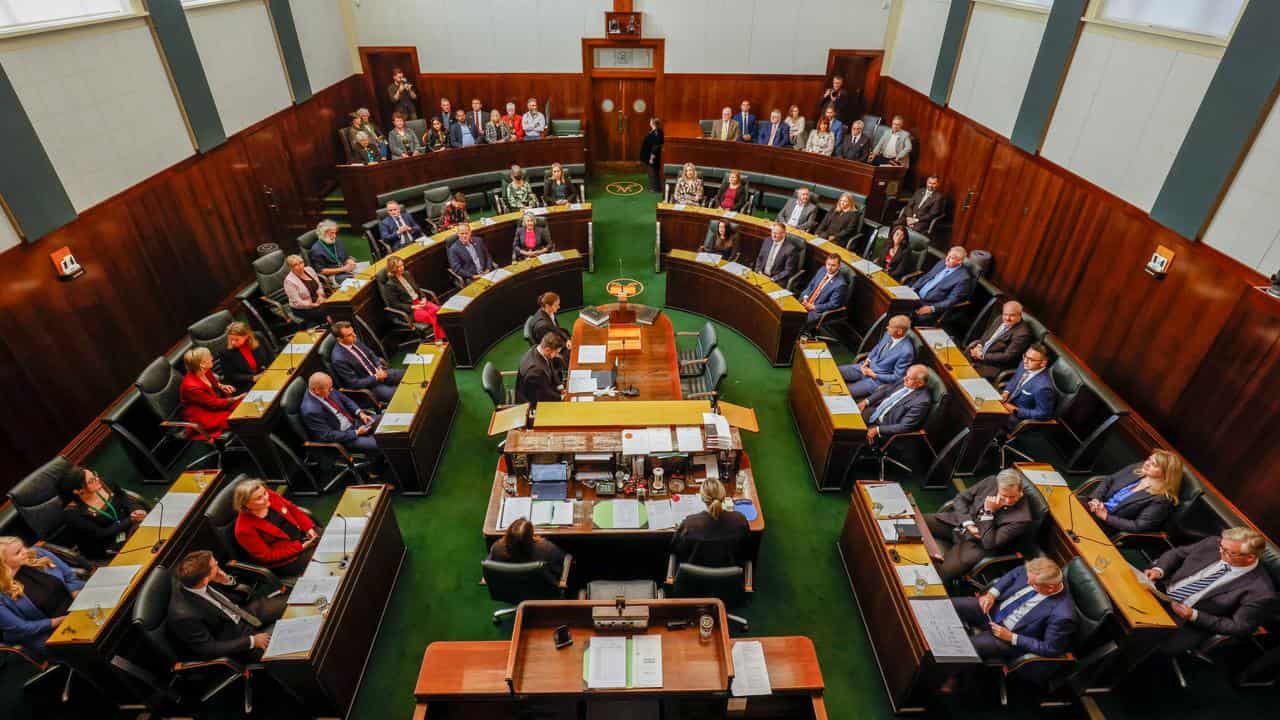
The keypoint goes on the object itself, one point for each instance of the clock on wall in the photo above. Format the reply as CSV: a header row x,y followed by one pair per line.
x,y
622,24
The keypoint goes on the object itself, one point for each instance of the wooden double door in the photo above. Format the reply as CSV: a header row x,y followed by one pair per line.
x,y
621,111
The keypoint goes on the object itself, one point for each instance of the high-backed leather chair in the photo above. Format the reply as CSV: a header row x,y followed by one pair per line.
x,y
514,583
732,585
692,358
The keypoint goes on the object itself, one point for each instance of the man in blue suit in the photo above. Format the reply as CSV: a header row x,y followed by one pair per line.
x,y
1028,610
898,408
837,127
1029,393
358,366
887,362
777,257
823,293
746,123
774,132
330,416
468,258
947,283
398,228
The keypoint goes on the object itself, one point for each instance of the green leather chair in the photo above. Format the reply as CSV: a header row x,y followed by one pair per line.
x,y
514,583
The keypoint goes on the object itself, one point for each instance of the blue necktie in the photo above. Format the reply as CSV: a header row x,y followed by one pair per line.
x,y
929,286
994,336
1012,604
889,403
1120,496
1182,593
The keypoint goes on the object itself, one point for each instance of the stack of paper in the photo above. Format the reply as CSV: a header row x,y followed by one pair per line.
x,y
888,530
685,506
313,586
635,442
294,635
170,509
978,389
660,515
646,661
591,354
342,534
353,284
840,404
623,662
457,302
892,500
263,396
817,353
750,674
943,631
689,439
582,381
819,241
552,512
735,268
706,257
296,349
514,508
903,292
710,465
395,420
626,514
909,574
779,294
660,440
104,587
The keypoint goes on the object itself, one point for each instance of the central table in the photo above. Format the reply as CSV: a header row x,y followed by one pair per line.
x,y
653,370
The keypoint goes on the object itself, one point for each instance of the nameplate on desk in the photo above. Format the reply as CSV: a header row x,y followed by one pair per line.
x,y
867,267
779,294
391,420
734,268
546,258
903,292
262,396
457,302
708,258
418,359
497,275
840,404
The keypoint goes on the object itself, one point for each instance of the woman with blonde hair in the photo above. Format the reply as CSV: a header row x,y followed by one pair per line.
x,y
1140,497
273,531
206,400
688,189
244,359
795,126
715,536
36,589
305,291
557,189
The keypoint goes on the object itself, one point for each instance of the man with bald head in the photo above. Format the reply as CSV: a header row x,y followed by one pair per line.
x,y
330,416
947,283
1001,345
898,407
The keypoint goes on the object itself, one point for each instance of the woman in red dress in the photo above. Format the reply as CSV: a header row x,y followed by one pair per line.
x,y
206,401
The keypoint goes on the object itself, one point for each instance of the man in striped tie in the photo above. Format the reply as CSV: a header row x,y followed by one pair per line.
x,y
1216,587
1028,610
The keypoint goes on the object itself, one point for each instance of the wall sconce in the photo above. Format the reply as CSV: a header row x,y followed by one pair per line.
x,y
64,263
1158,265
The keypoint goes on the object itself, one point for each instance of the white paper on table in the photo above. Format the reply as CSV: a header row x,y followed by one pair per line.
x,y
497,275
309,589
104,587
718,422
660,515
735,269
750,673
457,302
582,384
172,507
626,514
583,398
819,241
390,420
338,538
296,349
708,258
817,353
416,359
903,292
888,530
978,388
907,574
893,501
537,211
942,629
646,661
936,337
635,442
1044,477
867,267
575,206
362,265
514,508
608,662
486,221
552,512
710,464
687,505
591,354
840,404
679,206
689,439
294,635
779,294
550,257
264,396
353,284
660,439
579,373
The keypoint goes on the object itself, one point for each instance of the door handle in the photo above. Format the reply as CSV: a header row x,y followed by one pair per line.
x,y
968,200
621,119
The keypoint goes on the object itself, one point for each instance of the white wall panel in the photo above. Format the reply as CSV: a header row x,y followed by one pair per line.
x,y
8,233
999,49
323,40
919,37
238,49
101,103
1247,224
1123,112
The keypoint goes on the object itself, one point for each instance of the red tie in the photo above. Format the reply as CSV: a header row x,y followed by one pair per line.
x,y
355,350
338,407
818,290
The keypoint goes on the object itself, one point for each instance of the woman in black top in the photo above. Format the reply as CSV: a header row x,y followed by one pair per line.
x,y
897,253
840,224
1140,497
714,537
723,239
651,154
519,544
244,359
100,516
557,189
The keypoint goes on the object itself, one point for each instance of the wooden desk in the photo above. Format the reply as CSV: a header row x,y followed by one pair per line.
x,y
87,646
361,184
430,394
427,262
830,441
497,309
326,678
253,422
878,184
911,672
654,370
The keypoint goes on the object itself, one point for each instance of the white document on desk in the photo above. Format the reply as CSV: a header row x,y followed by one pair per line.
x,y
296,349
352,284
709,464
514,508
735,268
552,512
497,275
888,530
646,661
457,302
840,404
635,442
104,587
689,439
908,574
687,505
750,673
390,420
936,338
903,292
294,635
308,589
548,258
608,662
817,353
892,500
1044,477
591,354
719,423
660,440
660,515
708,258
582,384
978,388
626,514
341,537
171,508
942,629
416,359
867,267
263,396
779,294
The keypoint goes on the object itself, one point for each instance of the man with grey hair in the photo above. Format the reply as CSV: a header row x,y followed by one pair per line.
x,y
988,518
947,283
726,128
897,407
1001,345
328,256
1217,587
1026,611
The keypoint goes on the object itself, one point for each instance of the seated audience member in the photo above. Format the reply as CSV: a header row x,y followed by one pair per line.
x,y
799,212
36,589
777,258
897,253
898,408
837,127
987,518
305,291
519,194
533,122
398,228
841,223
1001,345
947,283
795,126
100,516
330,416
531,239
894,148
538,378
514,121
715,536
746,123
463,133
544,321
477,116
835,97
774,132
1029,393
468,258
328,256
821,141
688,189
887,362
358,366
558,189
1138,498
244,359
348,135
726,128
1217,586
403,96
402,141
437,137
364,149
732,195
520,544
399,292
855,145
207,624
497,131
206,401
926,205
824,292
724,239
455,211
375,134
446,115
1028,610
272,531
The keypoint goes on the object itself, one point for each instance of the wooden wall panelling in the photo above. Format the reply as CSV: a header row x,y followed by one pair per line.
x,y
564,90
690,97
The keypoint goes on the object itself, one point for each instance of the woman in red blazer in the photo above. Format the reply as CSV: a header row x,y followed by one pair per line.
x,y
205,401
273,531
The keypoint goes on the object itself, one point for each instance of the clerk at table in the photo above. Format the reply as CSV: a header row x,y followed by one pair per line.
x,y
468,258
887,362
358,366
538,379
777,258
713,537
544,320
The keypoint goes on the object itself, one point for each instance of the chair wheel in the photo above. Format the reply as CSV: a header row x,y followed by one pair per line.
x,y
497,620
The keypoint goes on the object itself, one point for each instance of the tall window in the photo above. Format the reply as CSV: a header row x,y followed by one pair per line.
x,y
1215,18
31,14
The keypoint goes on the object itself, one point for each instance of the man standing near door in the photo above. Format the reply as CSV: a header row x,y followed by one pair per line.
x,y
651,154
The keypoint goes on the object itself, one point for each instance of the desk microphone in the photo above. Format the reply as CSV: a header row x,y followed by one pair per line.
x,y
1071,518
159,529
346,560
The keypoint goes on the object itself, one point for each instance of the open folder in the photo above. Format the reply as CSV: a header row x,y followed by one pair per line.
x,y
623,662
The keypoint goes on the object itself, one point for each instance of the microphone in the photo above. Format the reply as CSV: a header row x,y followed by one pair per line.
x,y
159,543
1071,519
346,560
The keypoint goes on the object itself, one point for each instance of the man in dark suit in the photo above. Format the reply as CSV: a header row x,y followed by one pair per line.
x,y
777,258
986,518
446,115
746,122
774,132
897,408
358,366
1000,346
823,293
544,320
463,133
477,117
1028,610
210,625
398,228
887,362
538,378
330,416
926,204
1217,587
1029,393
856,144
799,212
835,97
468,258
947,283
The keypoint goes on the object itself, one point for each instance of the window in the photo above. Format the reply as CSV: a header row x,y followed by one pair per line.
x,y
1214,18
36,14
